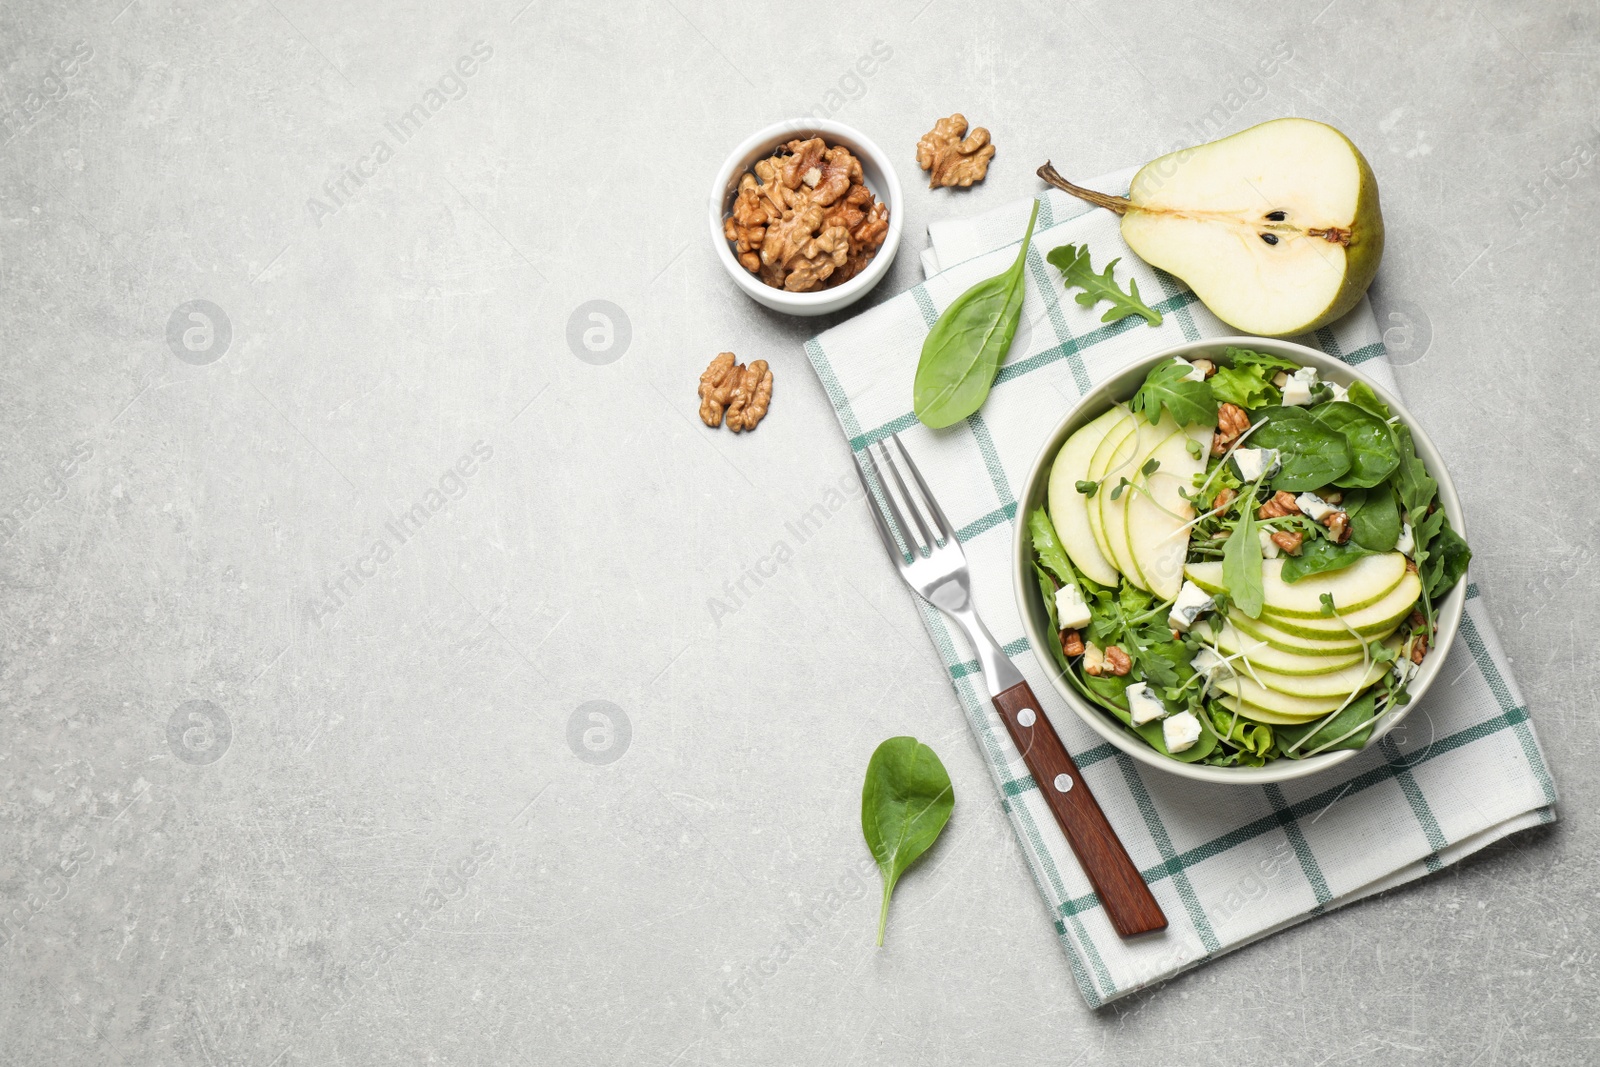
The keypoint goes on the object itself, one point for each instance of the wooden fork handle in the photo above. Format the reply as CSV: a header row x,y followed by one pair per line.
x,y
1128,902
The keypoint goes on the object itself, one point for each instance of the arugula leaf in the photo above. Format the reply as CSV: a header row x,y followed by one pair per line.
x,y
1361,395
1168,385
1373,455
1313,455
1446,562
1361,710
1374,518
1073,262
1047,590
905,802
1247,387
1241,566
965,348
1416,487
1318,555
1049,549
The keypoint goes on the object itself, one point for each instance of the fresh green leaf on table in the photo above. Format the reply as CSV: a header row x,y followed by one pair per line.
x,y
1373,454
964,350
905,803
1073,262
1169,386
1313,455
1241,566
1048,547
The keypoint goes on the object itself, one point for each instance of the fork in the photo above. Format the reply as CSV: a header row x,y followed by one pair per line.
x,y
937,572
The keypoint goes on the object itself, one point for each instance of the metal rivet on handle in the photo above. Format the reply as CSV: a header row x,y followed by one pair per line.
x,y
1026,717
1063,783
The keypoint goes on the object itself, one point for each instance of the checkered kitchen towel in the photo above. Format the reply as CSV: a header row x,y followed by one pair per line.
x,y
1228,864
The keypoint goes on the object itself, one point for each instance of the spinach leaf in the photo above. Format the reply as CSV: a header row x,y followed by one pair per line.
x,y
1313,455
1241,566
1246,386
1073,263
1153,735
1047,590
1416,487
1319,556
1446,562
1361,710
1375,523
1361,395
905,802
1048,547
1112,689
1168,385
1373,455
965,348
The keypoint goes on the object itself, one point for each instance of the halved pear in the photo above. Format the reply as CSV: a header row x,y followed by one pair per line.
x,y
1069,509
1231,640
1360,585
1277,229
1158,515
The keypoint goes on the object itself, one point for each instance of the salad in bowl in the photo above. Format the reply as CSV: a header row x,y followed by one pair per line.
x,y
1240,560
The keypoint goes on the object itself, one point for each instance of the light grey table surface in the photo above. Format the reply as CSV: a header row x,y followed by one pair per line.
x,y
400,856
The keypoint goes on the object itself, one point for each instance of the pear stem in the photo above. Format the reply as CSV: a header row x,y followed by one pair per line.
x,y
1119,204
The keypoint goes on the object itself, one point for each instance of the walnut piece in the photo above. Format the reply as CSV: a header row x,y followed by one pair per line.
x,y
716,388
743,392
1071,643
1338,524
1281,504
1094,660
750,397
1231,422
1207,367
1224,498
805,219
1117,661
951,160
1288,540
1419,648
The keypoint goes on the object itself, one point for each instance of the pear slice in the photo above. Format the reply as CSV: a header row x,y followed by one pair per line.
x,y
1263,630
1069,509
1157,516
1333,684
1376,620
1115,450
1114,513
1265,657
1360,585
1277,228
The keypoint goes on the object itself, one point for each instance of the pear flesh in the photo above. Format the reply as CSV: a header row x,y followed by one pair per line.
x,y
1277,228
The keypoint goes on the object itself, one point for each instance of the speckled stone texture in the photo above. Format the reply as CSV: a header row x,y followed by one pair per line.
x,y
363,698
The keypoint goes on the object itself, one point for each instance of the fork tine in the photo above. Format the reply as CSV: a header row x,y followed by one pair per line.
x,y
900,524
884,532
928,498
911,501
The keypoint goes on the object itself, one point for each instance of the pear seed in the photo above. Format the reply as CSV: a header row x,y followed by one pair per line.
x,y
1270,238
1275,216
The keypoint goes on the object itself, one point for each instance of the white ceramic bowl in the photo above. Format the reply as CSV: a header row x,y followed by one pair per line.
x,y
880,177
1037,623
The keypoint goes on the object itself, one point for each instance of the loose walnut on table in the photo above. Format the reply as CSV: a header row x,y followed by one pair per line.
x,y
744,393
952,156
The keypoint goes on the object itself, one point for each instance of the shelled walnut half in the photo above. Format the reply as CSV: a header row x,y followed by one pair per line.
x,y
742,392
804,220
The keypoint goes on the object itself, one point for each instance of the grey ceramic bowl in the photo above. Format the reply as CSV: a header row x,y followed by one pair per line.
x,y
1121,387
